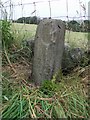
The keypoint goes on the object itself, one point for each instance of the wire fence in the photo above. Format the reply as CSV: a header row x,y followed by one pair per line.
x,y
65,10
59,9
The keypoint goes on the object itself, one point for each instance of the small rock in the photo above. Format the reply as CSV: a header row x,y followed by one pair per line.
x,y
71,57
30,44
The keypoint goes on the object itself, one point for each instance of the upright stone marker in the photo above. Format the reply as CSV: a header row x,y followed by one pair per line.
x,y
48,49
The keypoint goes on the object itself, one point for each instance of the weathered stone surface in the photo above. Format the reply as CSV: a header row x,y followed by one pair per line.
x,y
48,49
71,57
30,44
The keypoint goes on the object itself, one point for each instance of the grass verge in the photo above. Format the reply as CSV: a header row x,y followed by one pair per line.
x,y
65,99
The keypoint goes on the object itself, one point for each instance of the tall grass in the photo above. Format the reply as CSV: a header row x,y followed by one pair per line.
x,y
64,101
7,36
77,39
23,32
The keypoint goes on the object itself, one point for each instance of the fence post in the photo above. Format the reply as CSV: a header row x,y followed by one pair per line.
x,y
50,8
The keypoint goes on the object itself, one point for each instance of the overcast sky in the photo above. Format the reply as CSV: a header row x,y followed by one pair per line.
x,y
59,8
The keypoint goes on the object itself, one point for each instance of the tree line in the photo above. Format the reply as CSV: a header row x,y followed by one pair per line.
x,y
29,20
75,26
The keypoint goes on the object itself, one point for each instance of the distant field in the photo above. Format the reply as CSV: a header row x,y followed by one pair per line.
x,y
23,31
27,31
77,39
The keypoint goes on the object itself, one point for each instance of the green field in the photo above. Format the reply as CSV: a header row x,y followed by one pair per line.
x,y
27,31
77,39
23,32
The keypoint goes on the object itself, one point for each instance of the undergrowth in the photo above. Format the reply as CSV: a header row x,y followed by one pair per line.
x,y
21,99
51,100
7,36
13,50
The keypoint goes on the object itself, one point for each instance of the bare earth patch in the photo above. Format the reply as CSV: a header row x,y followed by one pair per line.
x,y
23,71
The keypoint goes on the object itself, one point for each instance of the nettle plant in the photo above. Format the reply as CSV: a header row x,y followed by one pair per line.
x,y
7,36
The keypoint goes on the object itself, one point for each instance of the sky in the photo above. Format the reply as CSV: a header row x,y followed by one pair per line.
x,y
59,8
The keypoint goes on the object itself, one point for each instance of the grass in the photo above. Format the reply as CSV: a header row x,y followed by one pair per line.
x,y
27,31
77,39
21,99
23,32
67,100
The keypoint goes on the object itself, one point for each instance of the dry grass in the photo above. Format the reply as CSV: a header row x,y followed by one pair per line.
x,y
21,99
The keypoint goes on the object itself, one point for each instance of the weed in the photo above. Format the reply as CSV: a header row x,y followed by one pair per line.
x,y
7,36
48,87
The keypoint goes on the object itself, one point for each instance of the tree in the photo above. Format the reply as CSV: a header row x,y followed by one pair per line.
x,y
85,26
74,26
29,20
21,20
